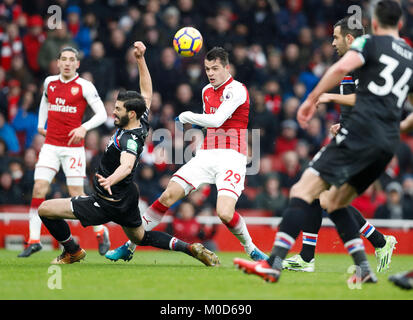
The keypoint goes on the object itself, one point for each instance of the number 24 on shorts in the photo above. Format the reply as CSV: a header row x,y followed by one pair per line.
x,y
75,163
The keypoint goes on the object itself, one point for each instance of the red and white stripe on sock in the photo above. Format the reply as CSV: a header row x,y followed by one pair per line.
x,y
310,238
153,215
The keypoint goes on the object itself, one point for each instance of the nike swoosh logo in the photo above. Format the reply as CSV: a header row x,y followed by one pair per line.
x,y
265,270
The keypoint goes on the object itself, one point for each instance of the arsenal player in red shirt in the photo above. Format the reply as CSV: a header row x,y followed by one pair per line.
x,y
63,105
222,159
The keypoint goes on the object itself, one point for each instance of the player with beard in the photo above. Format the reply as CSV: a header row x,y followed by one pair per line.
x,y
344,35
116,196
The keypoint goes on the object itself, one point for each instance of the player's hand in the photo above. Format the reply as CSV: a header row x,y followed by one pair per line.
x,y
42,131
105,183
334,129
139,49
77,135
306,112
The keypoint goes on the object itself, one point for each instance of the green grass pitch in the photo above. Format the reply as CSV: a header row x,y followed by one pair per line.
x,y
160,275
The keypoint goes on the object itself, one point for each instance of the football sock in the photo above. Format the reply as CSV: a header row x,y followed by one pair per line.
x,y
60,230
35,224
290,227
375,237
164,241
153,215
347,229
310,231
98,229
238,228
70,245
150,219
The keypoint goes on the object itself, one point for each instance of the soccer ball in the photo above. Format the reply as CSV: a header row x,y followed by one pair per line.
x,y
187,41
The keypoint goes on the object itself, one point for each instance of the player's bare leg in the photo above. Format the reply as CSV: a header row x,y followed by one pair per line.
x,y
40,189
101,231
237,226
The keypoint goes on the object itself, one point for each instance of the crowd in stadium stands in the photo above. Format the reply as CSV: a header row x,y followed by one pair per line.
x,y
278,48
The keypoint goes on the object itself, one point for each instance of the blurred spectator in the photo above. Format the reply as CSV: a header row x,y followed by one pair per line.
x,y
11,46
8,134
291,169
189,14
185,226
261,118
169,24
91,144
287,141
395,206
13,98
184,100
3,155
261,22
80,32
27,181
290,20
20,72
56,39
166,73
271,198
95,160
148,185
32,42
25,122
243,65
266,169
116,47
273,97
10,10
101,68
9,193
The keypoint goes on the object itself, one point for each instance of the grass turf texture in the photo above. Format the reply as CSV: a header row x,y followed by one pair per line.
x,y
159,275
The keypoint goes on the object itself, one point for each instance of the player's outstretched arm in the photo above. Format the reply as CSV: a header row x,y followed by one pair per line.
x,y
350,61
344,99
145,80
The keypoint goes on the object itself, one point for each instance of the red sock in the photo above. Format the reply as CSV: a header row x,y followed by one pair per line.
x,y
234,221
159,207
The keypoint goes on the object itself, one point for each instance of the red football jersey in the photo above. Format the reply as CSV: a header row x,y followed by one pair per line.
x,y
232,134
67,102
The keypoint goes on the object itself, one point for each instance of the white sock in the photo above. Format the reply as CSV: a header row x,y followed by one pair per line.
x,y
239,229
150,219
35,225
97,229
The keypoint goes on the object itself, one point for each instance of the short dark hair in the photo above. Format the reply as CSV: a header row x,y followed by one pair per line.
x,y
218,53
71,49
388,13
133,101
353,27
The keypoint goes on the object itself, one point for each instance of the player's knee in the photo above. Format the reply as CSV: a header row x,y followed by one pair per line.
x,y
225,212
45,210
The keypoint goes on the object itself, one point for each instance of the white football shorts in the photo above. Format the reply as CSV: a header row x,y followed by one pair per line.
x,y
225,168
72,160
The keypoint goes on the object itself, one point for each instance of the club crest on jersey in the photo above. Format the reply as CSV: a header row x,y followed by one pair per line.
x,y
74,90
